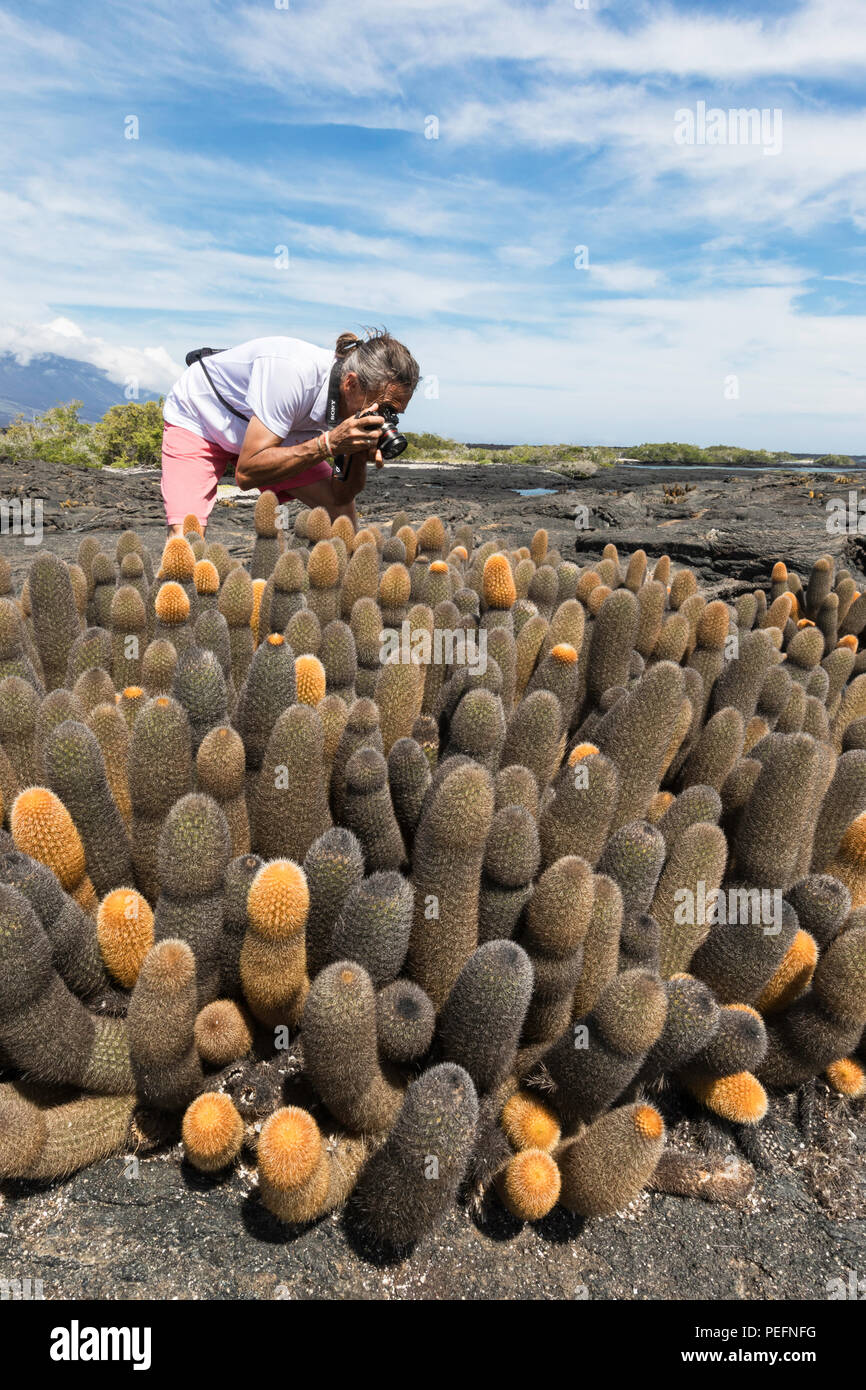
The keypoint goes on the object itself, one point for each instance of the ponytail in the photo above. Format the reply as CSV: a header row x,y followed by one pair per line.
x,y
346,343
377,360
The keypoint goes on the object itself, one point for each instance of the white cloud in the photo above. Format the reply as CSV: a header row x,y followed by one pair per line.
x,y
628,370
625,278
395,42
465,242
152,367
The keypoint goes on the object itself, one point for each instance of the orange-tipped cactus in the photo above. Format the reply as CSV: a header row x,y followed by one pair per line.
x,y
498,583
310,679
564,653
178,560
435,586
293,1167
43,828
206,578
171,604
612,1160
259,586
191,523
848,1077
273,964
529,1123
739,1098
131,701
124,929
661,802
581,751
529,1185
212,1131
793,976
849,865
278,900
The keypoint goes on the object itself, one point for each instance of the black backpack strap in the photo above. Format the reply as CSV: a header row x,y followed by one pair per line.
x,y
198,355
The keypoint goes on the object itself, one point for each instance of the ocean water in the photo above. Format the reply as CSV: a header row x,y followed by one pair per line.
x,y
533,491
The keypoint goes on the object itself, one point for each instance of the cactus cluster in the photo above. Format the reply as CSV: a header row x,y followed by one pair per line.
x,y
482,908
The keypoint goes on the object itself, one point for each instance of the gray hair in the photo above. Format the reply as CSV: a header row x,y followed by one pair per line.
x,y
378,360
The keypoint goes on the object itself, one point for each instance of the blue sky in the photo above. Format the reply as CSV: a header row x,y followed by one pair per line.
x,y
724,298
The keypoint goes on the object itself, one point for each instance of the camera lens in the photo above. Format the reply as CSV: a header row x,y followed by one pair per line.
x,y
392,442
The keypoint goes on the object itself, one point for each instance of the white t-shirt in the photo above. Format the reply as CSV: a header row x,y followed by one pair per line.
x,y
282,381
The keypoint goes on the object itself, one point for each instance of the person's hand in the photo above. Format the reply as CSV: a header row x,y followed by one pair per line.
x,y
358,436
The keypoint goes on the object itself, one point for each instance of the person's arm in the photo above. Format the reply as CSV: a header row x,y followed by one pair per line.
x,y
263,460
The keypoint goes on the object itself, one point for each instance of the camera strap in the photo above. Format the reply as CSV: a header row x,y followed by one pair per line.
x,y
198,355
333,400
331,405
341,461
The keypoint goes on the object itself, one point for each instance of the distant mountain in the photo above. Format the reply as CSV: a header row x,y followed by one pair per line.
x,y
48,379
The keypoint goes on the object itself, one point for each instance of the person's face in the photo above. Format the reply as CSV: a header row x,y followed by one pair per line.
x,y
355,398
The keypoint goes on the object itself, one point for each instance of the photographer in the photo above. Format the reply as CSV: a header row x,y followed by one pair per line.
x,y
290,416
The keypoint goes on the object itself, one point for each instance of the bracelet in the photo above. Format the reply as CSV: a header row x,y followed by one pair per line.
x,y
327,438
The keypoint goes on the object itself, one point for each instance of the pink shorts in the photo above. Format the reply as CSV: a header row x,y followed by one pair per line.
x,y
192,467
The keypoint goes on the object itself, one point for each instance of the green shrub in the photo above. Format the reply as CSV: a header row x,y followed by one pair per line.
x,y
435,448
131,435
719,455
127,435
57,435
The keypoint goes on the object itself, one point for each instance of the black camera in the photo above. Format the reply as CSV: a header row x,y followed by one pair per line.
x,y
390,443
